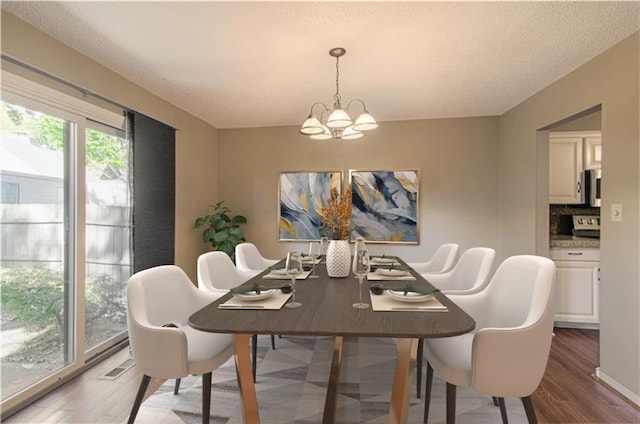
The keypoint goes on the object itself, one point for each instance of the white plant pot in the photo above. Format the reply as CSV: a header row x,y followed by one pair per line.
x,y
338,258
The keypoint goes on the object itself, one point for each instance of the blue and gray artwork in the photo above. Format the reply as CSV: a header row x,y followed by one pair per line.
x,y
302,195
385,206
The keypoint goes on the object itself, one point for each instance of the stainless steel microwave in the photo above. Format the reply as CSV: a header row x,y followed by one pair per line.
x,y
592,184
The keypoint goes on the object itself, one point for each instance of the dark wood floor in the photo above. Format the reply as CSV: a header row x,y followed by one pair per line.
x,y
568,394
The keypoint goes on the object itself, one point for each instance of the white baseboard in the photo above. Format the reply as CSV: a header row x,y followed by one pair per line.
x,y
618,387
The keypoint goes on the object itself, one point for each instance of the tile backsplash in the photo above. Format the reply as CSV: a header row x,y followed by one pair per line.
x,y
561,217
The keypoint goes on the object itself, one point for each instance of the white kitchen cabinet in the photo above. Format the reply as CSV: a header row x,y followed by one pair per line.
x,y
593,152
565,169
577,289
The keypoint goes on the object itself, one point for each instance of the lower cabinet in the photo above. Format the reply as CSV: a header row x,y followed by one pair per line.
x,y
578,279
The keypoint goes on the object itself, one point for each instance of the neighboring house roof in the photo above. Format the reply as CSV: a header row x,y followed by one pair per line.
x,y
19,156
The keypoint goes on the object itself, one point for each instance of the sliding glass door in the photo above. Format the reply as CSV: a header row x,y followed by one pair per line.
x,y
36,271
65,230
107,234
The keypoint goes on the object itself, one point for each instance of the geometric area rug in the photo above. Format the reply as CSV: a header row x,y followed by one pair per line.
x,y
291,386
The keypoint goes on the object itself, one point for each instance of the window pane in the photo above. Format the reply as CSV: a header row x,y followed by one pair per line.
x,y
108,235
33,278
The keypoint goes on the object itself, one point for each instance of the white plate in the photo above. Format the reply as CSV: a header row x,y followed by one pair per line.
x,y
410,297
254,296
392,272
281,271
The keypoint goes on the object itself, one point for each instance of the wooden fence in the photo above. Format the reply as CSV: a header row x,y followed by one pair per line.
x,y
34,234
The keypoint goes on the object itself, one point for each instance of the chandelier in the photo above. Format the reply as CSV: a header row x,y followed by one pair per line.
x,y
337,122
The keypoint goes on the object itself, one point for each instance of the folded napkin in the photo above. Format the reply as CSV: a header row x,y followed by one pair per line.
x,y
413,288
391,266
246,288
384,258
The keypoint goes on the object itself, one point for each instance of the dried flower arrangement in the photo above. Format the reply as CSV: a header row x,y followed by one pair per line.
x,y
336,216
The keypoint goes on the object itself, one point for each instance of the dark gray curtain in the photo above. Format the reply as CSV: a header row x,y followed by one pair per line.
x,y
154,192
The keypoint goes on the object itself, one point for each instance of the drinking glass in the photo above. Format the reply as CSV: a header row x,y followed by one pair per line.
x,y
293,267
314,253
361,267
324,244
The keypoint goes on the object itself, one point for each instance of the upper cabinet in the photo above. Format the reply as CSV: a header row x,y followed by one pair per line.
x,y
565,169
570,153
593,152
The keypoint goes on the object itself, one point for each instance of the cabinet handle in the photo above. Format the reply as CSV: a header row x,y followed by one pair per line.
x,y
578,187
574,253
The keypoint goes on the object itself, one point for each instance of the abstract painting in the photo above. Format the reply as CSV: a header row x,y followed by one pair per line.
x,y
302,194
385,206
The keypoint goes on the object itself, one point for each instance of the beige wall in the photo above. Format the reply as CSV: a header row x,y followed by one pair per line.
x,y
457,159
611,80
196,141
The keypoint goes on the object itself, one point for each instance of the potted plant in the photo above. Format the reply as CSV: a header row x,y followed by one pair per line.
x,y
221,229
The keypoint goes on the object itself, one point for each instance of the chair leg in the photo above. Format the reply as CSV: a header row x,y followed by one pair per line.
x,y
503,410
451,403
529,409
206,397
176,388
427,392
495,401
139,397
273,342
254,354
419,355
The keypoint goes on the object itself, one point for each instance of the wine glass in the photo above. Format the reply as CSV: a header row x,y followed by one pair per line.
x,y
361,267
314,253
324,244
293,267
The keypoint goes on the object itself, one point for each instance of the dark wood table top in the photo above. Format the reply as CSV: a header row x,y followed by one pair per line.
x,y
326,311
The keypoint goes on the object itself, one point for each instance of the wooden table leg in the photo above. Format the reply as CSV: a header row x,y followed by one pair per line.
x,y
330,402
244,374
405,364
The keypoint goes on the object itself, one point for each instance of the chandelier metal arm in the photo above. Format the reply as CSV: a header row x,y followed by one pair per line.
x,y
364,107
325,108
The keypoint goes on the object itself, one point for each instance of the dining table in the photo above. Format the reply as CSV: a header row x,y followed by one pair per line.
x,y
327,311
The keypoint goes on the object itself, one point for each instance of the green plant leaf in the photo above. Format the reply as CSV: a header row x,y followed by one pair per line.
x,y
199,222
220,237
238,219
219,225
236,232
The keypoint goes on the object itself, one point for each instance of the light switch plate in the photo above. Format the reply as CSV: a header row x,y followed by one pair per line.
x,y
616,212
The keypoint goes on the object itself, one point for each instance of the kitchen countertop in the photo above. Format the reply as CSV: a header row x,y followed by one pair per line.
x,y
571,241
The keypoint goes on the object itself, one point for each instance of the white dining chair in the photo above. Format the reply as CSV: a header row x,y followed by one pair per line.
x,y
443,259
163,344
248,258
470,274
218,274
507,353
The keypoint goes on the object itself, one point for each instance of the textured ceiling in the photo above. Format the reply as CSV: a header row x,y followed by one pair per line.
x,y
251,64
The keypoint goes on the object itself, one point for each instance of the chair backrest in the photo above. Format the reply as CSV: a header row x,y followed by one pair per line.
x,y
443,260
518,292
248,258
471,273
217,271
156,297
514,327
